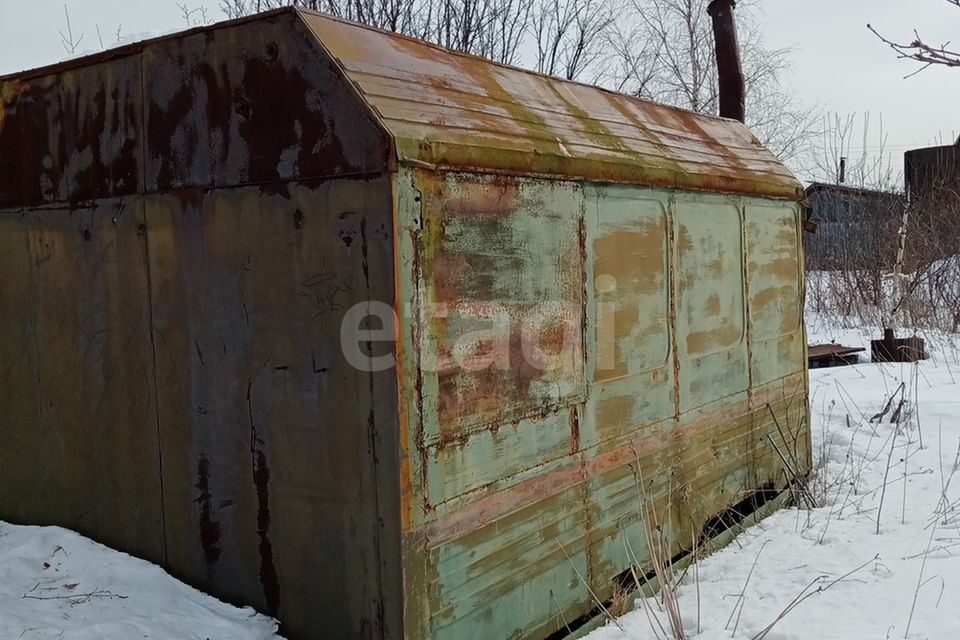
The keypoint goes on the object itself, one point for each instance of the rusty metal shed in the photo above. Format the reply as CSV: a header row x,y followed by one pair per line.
x,y
592,293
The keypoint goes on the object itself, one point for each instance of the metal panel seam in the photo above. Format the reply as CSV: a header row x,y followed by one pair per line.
x,y
153,367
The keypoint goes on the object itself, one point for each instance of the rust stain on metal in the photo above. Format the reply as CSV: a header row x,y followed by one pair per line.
x,y
209,527
574,430
261,480
179,113
489,508
9,91
481,353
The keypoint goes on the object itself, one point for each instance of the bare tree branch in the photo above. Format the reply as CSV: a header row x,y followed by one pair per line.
x,y
920,51
670,57
69,42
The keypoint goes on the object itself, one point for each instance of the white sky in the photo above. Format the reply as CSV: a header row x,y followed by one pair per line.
x,y
840,65
837,63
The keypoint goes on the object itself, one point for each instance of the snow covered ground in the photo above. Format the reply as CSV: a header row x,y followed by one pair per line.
x,y
55,584
863,584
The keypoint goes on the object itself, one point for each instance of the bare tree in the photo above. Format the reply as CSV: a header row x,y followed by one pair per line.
x,y
493,29
686,72
670,57
194,16
505,32
632,60
403,16
68,40
463,25
920,50
569,35
781,121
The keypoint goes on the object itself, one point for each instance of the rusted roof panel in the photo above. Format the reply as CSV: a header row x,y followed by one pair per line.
x,y
453,110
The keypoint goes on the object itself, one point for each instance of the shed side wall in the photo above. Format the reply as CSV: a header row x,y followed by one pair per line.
x,y
176,388
677,319
184,230
77,406
278,452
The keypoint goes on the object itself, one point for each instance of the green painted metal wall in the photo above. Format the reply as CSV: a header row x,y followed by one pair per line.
x,y
673,325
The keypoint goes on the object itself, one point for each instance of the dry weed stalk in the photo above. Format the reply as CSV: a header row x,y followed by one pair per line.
x,y
659,555
585,583
807,592
741,597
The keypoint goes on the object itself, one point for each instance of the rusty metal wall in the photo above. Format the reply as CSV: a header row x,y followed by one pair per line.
x,y
77,408
251,101
171,378
173,386
519,486
269,436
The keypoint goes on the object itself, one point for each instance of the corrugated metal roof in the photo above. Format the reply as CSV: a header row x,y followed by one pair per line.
x,y
453,110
